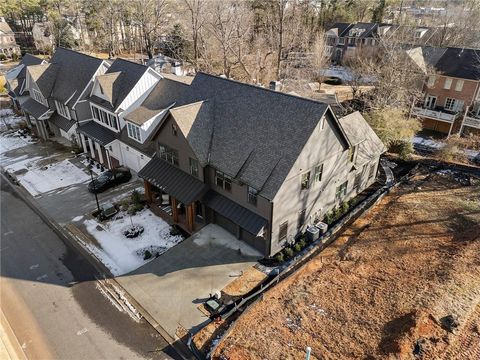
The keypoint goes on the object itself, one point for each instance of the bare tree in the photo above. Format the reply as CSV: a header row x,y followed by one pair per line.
x,y
196,14
150,17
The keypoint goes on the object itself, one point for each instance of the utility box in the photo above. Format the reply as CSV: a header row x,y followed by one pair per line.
x,y
313,233
322,227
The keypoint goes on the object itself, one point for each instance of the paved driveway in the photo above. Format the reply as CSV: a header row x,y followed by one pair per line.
x,y
171,287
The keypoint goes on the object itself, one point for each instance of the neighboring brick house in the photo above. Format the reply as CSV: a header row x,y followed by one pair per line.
x,y
16,80
348,40
345,41
452,96
58,90
260,163
123,86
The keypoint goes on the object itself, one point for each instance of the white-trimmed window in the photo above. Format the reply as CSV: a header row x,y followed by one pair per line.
x,y
105,117
459,85
37,95
431,81
133,132
448,83
341,191
453,104
62,110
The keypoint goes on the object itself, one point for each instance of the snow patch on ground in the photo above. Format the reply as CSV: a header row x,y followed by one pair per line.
x,y
428,142
77,218
122,255
41,179
13,140
217,236
8,117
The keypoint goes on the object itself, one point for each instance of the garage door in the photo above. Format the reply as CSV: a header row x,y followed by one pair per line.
x,y
131,160
226,224
256,242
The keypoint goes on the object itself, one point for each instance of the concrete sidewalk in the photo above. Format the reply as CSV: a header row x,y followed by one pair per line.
x,y
171,287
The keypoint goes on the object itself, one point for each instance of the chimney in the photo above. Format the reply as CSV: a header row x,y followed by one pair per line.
x,y
275,85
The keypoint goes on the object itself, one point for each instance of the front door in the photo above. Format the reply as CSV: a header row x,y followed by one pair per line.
x,y
430,101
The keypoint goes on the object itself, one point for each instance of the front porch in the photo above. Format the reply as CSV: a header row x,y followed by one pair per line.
x,y
94,139
189,218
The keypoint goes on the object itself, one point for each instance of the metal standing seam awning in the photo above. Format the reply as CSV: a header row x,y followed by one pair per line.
x,y
34,108
61,122
241,216
97,132
175,182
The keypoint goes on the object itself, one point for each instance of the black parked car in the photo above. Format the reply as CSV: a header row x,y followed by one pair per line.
x,y
109,179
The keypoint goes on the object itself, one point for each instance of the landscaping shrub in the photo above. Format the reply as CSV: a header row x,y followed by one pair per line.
x,y
288,252
344,208
303,243
297,247
352,202
404,149
134,208
135,197
174,231
3,57
147,255
279,257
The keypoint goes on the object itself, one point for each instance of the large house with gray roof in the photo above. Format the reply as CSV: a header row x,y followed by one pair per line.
x,y
16,80
260,163
58,90
123,86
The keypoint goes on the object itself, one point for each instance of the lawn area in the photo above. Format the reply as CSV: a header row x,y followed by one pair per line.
x,y
385,288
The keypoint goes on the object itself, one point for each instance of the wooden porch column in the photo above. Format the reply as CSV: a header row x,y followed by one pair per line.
x,y
148,191
190,217
174,210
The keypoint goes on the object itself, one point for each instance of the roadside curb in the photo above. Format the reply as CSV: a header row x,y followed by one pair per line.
x,y
69,240
9,340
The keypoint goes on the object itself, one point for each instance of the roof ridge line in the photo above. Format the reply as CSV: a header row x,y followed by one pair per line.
x,y
78,52
263,88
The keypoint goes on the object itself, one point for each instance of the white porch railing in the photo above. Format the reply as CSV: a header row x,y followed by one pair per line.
x,y
472,122
434,114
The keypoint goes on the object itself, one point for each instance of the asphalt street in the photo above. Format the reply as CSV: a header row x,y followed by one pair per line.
x,y
50,297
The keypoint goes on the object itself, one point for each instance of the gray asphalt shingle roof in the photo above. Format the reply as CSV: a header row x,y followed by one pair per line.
x,y
34,108
461,63
257,134
61,122
75,70
27,60
360,134
164,94
173,181
97,132
44,76
121,85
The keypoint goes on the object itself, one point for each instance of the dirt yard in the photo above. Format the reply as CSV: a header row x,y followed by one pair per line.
x,y
385,289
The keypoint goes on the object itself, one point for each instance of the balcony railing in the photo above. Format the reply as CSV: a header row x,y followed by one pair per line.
x,y
472,122
437,113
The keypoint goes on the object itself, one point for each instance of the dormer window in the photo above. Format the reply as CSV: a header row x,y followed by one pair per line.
x,y
62,110
133,131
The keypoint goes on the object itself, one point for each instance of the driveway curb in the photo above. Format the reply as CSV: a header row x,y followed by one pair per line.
x,y
180,348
